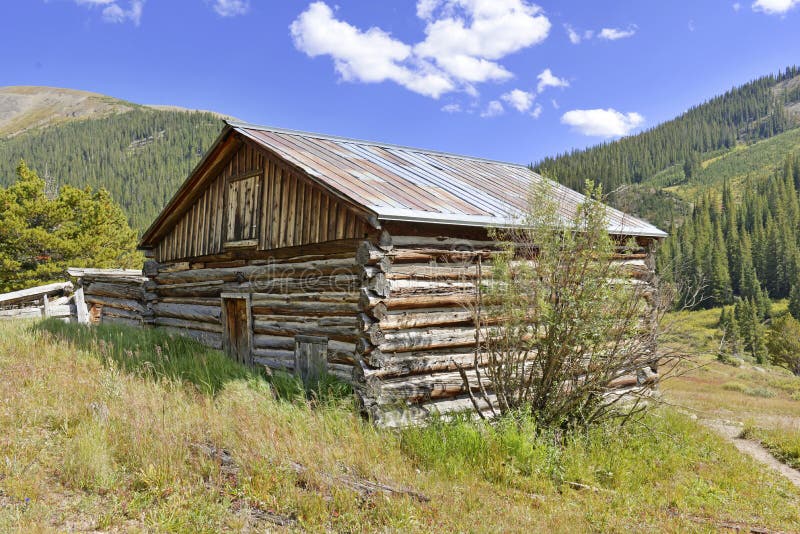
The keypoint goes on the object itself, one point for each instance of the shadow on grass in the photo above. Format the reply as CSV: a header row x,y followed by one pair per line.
x,y
156,354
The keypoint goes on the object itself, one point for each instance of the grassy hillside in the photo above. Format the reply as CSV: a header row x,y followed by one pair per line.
x,y
120,429
756,163
24,108
756,110
667,197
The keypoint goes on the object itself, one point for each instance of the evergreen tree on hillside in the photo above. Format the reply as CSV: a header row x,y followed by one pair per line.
x,y
748,247
140,157
40,236
747,113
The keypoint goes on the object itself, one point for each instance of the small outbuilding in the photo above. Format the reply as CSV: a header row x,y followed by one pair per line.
x,y
288,248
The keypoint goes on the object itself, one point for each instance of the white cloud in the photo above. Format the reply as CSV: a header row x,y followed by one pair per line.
x,y
774,7
537,111
574,37
494,109
737,6
113,10
464,40
612,34
602,122
231,8
554,102
519,99
452,108
548,79
691,25
371,56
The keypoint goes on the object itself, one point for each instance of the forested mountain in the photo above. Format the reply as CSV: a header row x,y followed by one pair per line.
x,y
757,110
140,156
724,180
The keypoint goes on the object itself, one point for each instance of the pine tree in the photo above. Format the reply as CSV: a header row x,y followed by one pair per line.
x,y
40,237
794,301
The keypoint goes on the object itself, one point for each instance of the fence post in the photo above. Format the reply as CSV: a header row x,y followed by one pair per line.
x,y
45,306
310,358
80,307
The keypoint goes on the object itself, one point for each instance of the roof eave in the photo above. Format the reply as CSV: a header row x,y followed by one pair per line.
x,y
151,234
487,221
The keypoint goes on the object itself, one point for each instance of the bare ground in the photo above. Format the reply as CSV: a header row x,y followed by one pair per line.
x,y
731,431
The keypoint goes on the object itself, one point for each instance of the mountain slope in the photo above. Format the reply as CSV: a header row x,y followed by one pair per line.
x,y
24,108
140,156
756,110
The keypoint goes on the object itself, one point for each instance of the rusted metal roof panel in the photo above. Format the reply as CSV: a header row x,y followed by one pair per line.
x,y
410,184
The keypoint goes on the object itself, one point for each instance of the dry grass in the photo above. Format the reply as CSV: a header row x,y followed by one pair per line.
x,y
89,444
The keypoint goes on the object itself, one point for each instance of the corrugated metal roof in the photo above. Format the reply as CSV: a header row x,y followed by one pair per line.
x,y
410,184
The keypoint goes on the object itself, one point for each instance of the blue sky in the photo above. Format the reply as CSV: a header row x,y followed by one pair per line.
x,y
505,79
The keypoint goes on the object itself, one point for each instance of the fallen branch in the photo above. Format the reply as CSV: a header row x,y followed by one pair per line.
x,y
365,487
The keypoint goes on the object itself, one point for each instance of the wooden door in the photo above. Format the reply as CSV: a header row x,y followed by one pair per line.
x,y
237,338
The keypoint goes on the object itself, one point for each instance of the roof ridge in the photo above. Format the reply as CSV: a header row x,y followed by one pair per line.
x,y
289,131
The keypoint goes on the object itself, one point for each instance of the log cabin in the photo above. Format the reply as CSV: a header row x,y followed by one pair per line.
x,y
298,250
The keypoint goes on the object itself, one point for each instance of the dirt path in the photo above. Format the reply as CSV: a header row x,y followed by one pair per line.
x,y
731,432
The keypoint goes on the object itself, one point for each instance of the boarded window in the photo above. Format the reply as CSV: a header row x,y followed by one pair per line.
x,y
243,209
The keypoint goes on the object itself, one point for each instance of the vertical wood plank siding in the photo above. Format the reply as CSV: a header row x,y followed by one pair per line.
x,y
257,198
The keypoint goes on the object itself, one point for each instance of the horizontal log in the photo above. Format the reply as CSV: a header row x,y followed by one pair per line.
x,y
173,267
369,254
34,293
124,304
206,314
418,414
345,321
442,256
190,325
256,272
192,301
308,284
115,290
423,319
209,339
110,311
132,274
190,285
453,243
262,341
401,288
344,296
418,388
61,310
22,313
424,339
283,328
376,306
417,271
403,364
264,307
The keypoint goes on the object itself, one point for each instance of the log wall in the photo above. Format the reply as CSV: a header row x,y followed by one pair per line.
x,y
306,290
415,325
115,296
256,202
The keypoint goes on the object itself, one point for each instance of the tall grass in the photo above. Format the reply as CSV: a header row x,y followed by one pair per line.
x,y
160,355
88,440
